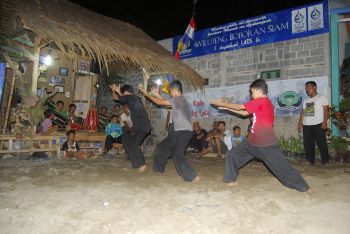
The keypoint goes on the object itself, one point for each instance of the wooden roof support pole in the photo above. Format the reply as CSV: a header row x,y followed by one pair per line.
x,y
144,86
144,83
35,73
8,107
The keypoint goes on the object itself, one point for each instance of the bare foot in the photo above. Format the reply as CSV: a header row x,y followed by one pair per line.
x,y
308,194
196,179
232,184
143,168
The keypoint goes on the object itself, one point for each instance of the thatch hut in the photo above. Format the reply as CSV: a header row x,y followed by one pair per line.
x,y
78,31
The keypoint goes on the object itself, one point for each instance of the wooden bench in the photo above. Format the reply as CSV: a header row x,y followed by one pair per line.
x,y
52,144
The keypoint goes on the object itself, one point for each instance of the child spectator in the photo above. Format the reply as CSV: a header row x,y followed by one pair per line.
x,y
103,118
236,137
261,142
220,136
71,147
71,113
59,107
125,119
46,127
117,110
113,135
199,138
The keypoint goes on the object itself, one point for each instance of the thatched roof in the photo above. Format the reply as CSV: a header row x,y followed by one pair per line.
x,y
72,27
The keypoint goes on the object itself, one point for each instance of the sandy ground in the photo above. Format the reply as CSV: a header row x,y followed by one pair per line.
x,y
107,196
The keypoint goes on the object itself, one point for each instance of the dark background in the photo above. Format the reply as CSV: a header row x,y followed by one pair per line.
x,y
168,18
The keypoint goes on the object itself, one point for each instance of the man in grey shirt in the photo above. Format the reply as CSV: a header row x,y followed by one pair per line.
x,y
175,144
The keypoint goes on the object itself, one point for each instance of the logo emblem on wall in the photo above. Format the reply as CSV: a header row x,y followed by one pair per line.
x,y
289,101
299,20
315,14
315,17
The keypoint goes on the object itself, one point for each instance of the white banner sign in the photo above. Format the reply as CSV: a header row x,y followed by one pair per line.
x,y
286,96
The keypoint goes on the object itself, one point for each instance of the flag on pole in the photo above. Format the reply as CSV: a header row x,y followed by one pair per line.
x,y
187,38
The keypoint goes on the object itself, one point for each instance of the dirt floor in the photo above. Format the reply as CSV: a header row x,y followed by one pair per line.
x,y
107,196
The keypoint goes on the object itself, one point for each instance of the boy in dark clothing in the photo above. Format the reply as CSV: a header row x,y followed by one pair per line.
x,y
175,144
261,142
71,147
199,138
141,126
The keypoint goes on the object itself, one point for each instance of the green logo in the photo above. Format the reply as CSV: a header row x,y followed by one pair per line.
x,y
289,100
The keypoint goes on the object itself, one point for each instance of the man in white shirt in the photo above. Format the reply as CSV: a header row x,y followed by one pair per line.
x,y
313,123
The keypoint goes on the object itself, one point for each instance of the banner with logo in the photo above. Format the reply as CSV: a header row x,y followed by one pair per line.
x,y
283,25
286,96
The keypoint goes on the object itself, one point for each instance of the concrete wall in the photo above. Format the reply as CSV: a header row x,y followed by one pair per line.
x,y
297,58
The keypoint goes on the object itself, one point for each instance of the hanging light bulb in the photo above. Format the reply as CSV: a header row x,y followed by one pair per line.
x,y
158,82
48,60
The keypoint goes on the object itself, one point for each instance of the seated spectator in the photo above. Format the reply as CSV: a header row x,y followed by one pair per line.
x,y
208,146
219,146
215,127
235,138
125,119
114,134
73,120
46,127
117,110
71,113
71,147
215,140
103,118
198,142
59,107
60,120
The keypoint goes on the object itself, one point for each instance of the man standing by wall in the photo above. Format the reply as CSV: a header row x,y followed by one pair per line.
x,y
313,123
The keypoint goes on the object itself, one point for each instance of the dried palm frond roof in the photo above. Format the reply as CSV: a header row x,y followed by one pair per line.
x,y
105,39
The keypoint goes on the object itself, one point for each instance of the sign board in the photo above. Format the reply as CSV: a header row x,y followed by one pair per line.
x,y
278,26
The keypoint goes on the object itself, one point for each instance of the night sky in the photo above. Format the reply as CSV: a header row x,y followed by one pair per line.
x,y
168,18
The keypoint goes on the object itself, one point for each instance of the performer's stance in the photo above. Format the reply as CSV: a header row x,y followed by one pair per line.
x,y
175,144
133,139
261,142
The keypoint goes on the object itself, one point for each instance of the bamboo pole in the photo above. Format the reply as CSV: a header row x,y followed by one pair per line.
x,y
35,73
8,107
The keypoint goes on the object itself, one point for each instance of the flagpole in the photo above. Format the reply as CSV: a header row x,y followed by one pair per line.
x,y
194,7
189,30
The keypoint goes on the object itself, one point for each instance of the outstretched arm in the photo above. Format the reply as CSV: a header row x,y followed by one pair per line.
x,y
233,106
155,97
240,112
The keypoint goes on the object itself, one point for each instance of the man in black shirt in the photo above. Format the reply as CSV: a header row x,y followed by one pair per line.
x,y
141,125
